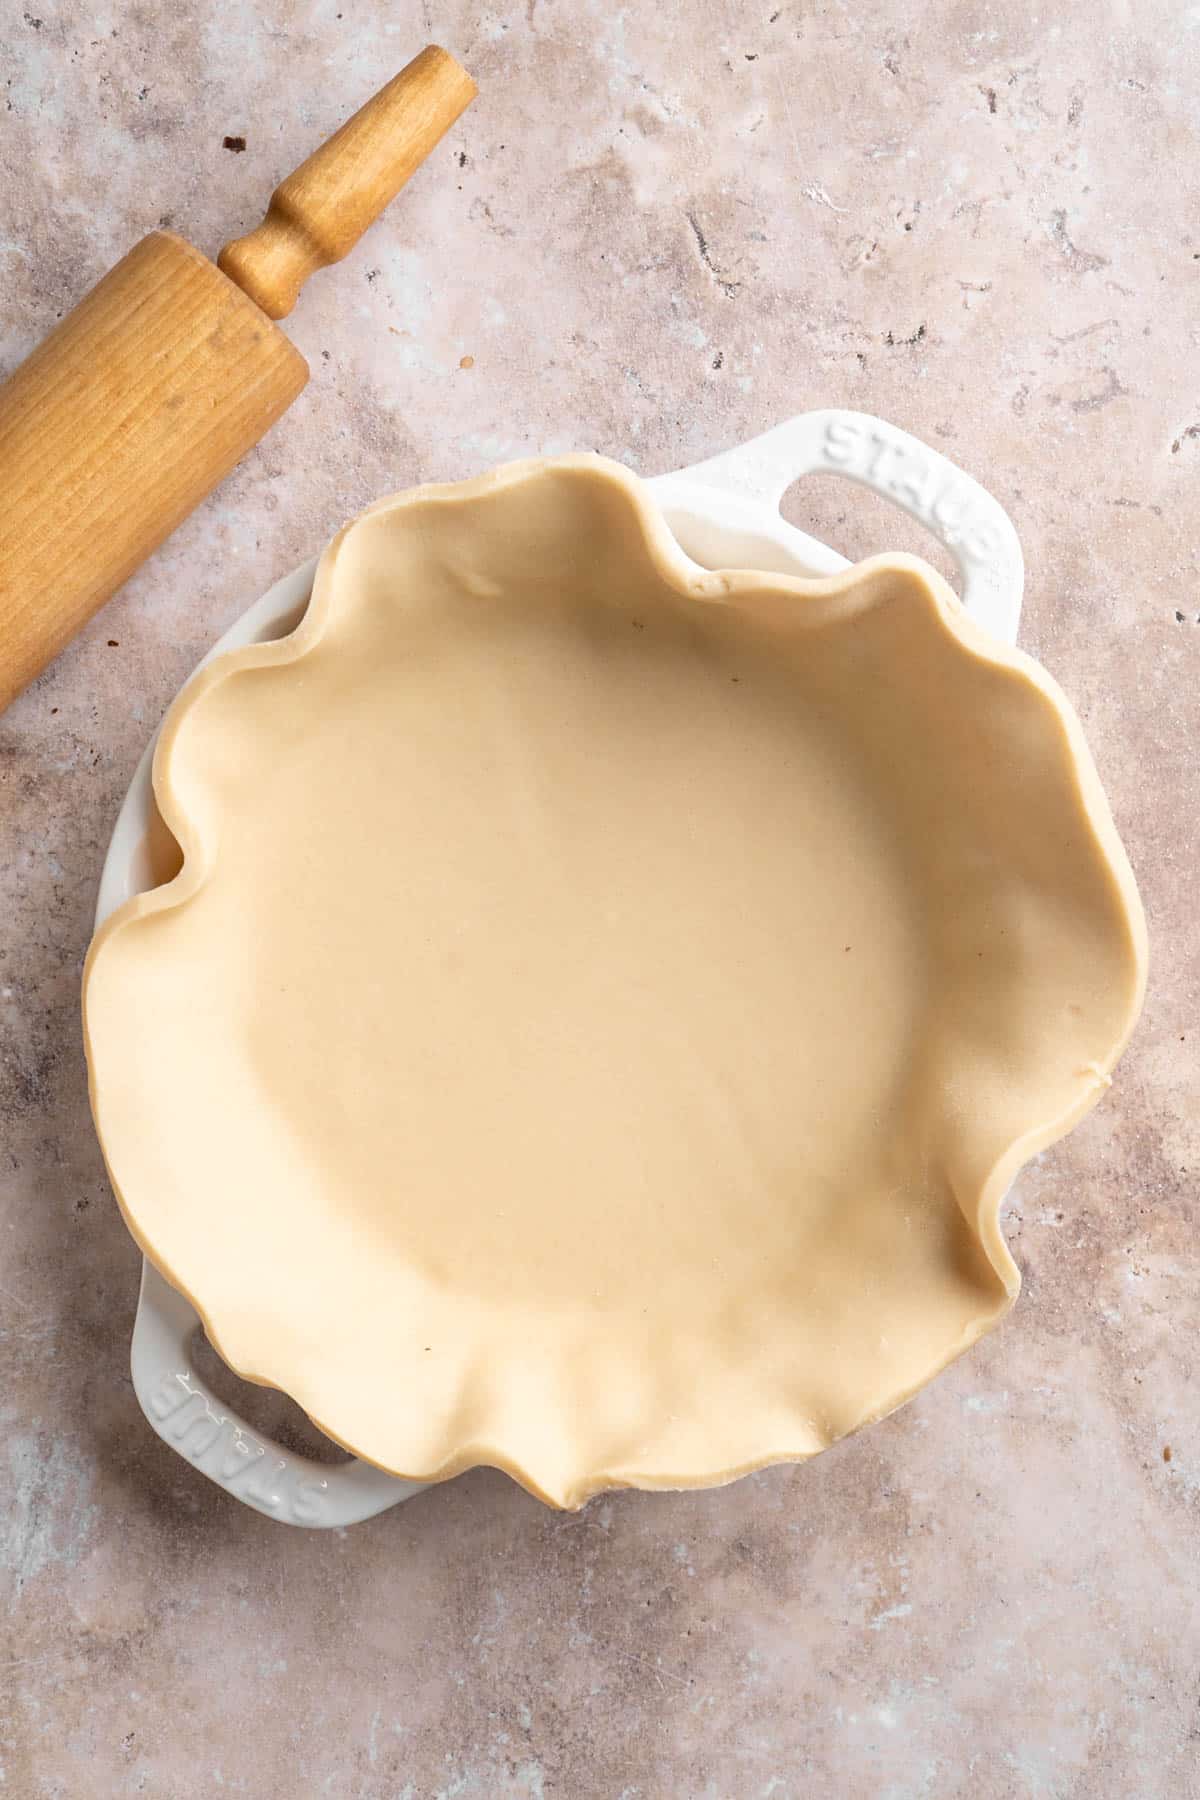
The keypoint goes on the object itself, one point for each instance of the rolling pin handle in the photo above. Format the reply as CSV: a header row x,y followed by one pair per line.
x,y
318,213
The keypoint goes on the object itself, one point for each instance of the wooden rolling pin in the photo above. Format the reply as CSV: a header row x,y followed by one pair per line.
x,y
167,372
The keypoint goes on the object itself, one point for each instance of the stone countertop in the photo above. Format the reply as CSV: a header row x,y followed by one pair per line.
x,y
657,232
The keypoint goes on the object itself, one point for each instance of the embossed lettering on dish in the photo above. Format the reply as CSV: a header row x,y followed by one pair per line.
x,y
940,497
229,1455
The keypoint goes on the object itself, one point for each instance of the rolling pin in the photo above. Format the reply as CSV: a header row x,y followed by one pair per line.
x,y
170,369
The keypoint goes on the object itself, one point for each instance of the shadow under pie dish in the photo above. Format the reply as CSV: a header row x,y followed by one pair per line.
x,y
604,1002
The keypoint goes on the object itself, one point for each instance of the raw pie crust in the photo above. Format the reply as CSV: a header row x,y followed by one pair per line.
x,y
603,1003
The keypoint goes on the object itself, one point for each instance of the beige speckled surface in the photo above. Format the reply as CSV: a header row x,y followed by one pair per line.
x,y
657,231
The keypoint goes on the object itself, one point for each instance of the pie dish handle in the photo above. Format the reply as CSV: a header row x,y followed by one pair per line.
x,y
187,1415
972,525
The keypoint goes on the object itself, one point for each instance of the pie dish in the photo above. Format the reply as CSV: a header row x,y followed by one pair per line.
x,y
603,1002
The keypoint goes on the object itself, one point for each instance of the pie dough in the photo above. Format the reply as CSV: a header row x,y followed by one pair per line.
x,y
603,1003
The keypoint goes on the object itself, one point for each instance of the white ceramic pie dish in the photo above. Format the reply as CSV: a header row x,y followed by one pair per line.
x,y
724,513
